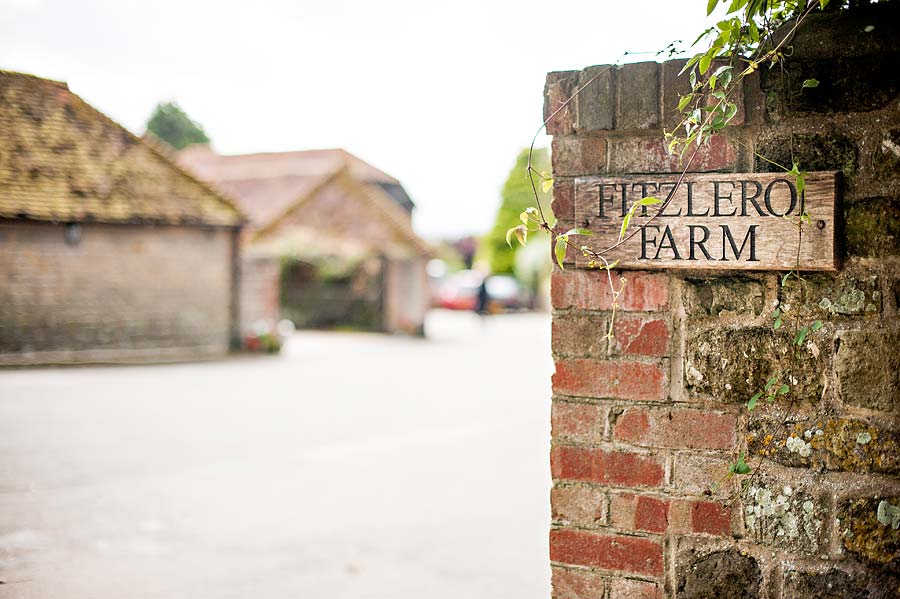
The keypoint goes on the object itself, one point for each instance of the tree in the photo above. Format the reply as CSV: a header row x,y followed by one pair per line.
x,y
516,197
172,125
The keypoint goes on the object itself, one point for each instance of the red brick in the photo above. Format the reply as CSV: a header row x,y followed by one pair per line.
x,y
581,423
611,552
563,203
577,584
710,518
685,429
651,514
558,88
606,467
607,379
579,335
641,337
651,155
626,588
572,156
578,504
590,290
692,474
639,512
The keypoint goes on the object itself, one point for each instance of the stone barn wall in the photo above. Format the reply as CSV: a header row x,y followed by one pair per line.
x,y
642,426
116,293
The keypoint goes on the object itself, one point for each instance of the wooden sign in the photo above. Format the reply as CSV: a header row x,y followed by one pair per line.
x,y
738,221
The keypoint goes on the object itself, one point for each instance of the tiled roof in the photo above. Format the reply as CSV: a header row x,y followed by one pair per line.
x,y
246,168
62,160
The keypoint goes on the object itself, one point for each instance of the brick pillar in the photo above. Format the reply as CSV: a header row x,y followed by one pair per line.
x,y
643,425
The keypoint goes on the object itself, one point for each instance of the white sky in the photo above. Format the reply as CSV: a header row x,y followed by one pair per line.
x,y
442,95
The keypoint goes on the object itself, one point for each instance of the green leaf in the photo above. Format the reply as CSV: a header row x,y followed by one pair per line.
x,y
817,325
783,390
625,222
704,62
585,232
693,76
777,324
801,335
711,6
810,83
776,313
739,467
560,250
684,101
610,266
771,382
547,185
521,234
648,201
751,405
509,235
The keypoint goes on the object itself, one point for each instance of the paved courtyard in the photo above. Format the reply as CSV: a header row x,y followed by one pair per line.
x,y
350,466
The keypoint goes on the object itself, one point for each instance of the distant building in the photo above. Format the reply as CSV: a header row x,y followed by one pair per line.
x,y
329,240
108,250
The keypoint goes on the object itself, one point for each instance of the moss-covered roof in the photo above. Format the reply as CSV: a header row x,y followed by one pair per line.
x,y
62,160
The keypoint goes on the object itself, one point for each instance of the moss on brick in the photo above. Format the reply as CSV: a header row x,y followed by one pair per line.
x,y
873,228
724,296
836,444
813,152
849,293
733,364
850,582
867,366
864,536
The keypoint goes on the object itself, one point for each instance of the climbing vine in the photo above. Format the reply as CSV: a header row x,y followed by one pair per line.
x,y
754,35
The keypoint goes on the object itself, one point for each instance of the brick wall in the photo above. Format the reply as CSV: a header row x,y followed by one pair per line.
x,y
643,425
121,292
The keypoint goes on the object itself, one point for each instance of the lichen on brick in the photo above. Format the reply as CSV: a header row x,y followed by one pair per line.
x,y
783,516
825,442
864,536
827,296
733,364
724,296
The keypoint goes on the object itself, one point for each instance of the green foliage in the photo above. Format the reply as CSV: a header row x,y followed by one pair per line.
x,y
517,197
172,125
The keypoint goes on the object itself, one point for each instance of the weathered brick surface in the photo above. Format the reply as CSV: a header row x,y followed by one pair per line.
x,y
563,203
687,429
92,300
559,114
724,296
640,337
601,379
596,104
690,348
577,504
580,335
577,584
590,290
578,155
867,364
651,155
619,468
610,552
578,422
639,96
629,588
